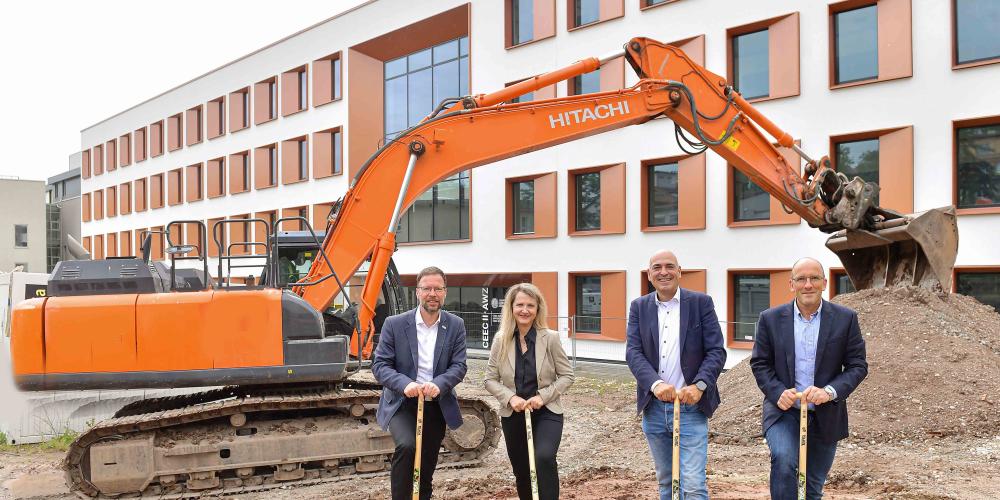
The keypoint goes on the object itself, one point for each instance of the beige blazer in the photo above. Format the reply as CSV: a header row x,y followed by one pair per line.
x,y
554,372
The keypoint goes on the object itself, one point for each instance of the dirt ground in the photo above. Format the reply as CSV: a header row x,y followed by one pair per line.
x,y
925,424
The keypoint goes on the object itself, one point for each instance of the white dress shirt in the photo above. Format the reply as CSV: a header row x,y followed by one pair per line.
x,y
668,316
426,340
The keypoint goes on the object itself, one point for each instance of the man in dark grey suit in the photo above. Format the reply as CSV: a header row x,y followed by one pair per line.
x,y
813,347
421,353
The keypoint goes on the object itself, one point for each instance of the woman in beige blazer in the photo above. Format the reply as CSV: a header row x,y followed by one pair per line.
x,y
528,368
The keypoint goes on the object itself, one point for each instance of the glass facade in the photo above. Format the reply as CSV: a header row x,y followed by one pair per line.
x,y
856,44
842,284
983,286
414,85
335,81
523,198
588,201
750,64
440,213
978,166
662,196
522,21
976,24
588,304
750,202
479,307
751,296
858,159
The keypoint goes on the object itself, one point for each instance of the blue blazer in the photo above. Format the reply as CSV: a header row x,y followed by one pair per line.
x,y
703,352
840,363
395,364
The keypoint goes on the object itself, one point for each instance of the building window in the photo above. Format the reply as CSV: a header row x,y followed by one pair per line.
x,y
326,79
587,83
856,44
139,143
976,24
111,199
239,172
414,84
125,150
750,64
524,206
841,283
195,183
140,195
859,159
588,303
588,201
522,21
193,118
156,191
175,183
651,3
265,101
156,139
216,177
750,201
751,296
85,205
20,236
294,160
328,154
662,195
265,166
216,118
984,286
99,204
175,132
239,109
294,90
586,12
439,214
85,165
125,198
98,159
978,162
112,160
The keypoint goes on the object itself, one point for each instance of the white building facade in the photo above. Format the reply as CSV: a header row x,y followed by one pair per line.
x,y
902,90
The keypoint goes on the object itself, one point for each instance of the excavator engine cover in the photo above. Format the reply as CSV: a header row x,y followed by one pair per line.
x,y
914,250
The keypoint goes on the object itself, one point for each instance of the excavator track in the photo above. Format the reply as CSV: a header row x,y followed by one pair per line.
x,y
238,440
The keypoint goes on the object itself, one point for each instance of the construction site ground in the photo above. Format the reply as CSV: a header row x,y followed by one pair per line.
x,y
925,424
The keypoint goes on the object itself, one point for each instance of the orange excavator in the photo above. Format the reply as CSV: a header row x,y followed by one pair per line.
x,y
291,409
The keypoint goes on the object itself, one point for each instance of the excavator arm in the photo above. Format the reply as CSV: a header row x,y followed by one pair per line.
x,y
479,130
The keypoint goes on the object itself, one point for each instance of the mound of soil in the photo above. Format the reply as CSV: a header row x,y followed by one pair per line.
x,y
933,371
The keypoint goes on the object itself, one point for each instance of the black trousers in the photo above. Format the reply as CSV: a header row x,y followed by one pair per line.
x,y
546,429
403,428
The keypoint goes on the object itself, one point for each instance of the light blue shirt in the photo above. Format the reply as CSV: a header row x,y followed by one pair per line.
x,y
806,339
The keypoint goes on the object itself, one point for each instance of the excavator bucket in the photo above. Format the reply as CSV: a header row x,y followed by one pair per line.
x,y
917,250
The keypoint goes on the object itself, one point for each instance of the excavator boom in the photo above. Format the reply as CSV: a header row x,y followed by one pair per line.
x,y
479,130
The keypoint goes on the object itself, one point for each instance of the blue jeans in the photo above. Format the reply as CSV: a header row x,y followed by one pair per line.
x,y
783,440
658,425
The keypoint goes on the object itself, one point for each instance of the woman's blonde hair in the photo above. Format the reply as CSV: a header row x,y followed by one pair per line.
x,y
504,338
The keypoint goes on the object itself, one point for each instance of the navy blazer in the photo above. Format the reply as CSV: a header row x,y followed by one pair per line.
x,y
703,353
840,363
395,364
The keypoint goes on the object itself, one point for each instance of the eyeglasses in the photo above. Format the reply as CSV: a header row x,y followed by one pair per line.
x,y
812,279
429,289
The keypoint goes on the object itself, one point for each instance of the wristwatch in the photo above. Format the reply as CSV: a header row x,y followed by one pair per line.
x,y
701,385
829,390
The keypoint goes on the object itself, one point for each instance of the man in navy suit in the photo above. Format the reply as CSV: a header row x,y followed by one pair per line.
x,y
421,353
813,347
674,347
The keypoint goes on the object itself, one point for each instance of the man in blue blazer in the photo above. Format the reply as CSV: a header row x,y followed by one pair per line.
x,y
813,347
674,348
421,353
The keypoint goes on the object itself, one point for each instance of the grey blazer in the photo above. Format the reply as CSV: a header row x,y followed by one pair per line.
x,y
554,372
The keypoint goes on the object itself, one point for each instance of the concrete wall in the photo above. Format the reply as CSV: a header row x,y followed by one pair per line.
x,y
22,202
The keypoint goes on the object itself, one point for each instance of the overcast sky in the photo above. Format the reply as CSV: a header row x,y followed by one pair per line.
x,y
57,76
